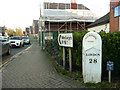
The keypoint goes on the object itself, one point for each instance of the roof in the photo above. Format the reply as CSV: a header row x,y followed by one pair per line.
x,y
102,20
50,5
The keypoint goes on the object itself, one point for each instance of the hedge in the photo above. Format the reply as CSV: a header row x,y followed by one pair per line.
x,y
110,51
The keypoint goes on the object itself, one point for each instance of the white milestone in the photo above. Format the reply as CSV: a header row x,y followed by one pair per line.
x,y
92,58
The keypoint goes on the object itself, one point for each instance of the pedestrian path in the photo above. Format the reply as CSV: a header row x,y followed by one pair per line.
x,y
32,69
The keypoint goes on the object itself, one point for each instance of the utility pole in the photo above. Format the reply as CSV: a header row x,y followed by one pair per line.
x,y
40,31
70,55
44,20
49,25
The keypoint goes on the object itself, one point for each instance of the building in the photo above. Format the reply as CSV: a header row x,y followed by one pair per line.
x,y
2,30
27,31
31,30
100,24
35,27
114,15
24,33
66,16
63,17
110,22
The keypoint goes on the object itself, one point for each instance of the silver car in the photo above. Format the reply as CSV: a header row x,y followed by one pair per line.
x,y
4,46
26,40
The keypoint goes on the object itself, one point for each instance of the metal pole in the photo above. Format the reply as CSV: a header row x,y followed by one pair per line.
x,y
40,32
41,38
77,26
70,18
43,22
44,39
49,31
84,21
70,60
71,26
109,76
64,57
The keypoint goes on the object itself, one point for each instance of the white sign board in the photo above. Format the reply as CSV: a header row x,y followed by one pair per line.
x,y
92,55
65,39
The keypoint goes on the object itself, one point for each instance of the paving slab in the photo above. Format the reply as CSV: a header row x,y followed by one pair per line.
x,y
33,69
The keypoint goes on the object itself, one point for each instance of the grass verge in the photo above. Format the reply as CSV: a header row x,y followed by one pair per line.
x,y
79,77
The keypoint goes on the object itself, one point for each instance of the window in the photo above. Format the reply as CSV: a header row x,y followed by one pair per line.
x,y
15,38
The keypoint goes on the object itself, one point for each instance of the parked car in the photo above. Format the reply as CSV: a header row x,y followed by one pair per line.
x,y
16,41
5,46
26,40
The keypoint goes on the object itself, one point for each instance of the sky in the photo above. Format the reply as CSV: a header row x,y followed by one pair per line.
x,y
21,13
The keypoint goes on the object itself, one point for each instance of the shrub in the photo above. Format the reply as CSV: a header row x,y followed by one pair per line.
x,y
110,51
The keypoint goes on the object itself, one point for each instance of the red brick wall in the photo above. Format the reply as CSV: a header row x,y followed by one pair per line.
x,y
56,26
114,21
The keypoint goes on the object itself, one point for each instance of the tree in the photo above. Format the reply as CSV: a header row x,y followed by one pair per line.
x,y
19,32
10,32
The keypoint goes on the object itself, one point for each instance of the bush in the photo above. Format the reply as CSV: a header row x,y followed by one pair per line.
x,y
110,51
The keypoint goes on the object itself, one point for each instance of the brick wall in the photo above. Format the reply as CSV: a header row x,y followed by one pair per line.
x,y
56,26
114,21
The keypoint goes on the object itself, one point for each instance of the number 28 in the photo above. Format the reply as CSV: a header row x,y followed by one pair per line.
x,y
93,61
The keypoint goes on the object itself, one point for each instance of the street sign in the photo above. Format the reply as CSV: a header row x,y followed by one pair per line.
x,y
92,57
65,39
110,65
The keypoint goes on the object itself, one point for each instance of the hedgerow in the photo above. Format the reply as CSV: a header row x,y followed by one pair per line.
x,y
110,51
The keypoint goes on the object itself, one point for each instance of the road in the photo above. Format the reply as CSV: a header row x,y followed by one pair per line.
x,y
14,51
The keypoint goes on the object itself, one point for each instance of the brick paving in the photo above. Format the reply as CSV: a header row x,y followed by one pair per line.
x,y
33,69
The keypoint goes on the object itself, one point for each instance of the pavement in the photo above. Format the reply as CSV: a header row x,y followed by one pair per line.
x,y
33,69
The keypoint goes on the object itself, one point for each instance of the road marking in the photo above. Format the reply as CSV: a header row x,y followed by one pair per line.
x,y
2,64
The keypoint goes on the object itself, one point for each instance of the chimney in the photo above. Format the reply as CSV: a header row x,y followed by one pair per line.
x,y
73,4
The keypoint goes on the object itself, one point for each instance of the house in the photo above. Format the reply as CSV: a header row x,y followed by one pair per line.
x,y
31,30
35,27
100,24
27,31
110,22
115,15
66,16
2,30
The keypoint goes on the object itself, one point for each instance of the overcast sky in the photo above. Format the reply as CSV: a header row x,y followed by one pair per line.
x,y
21,13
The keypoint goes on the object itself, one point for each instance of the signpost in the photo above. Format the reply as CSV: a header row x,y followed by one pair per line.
x,y
109,68
66,40
92,57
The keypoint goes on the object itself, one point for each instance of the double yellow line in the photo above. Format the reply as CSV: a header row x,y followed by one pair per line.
x,y
6,61
11,58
